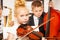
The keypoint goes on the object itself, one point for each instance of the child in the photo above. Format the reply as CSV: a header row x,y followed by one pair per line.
x,y
37,16
22,16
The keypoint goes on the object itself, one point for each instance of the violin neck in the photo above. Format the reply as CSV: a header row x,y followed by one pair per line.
x,y
48,24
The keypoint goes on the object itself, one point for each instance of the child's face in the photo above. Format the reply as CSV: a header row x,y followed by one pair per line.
x,y
22,15
37,11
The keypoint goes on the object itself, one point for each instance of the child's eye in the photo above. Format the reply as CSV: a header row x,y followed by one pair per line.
x,y
36,11
0,8
21,15
40,10
27,15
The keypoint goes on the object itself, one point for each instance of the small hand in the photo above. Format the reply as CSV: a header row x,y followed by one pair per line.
x,y
11,23
43,38
51,4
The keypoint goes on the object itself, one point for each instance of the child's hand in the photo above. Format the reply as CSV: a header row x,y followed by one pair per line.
x,y
51,4
43,38
11,23
25,38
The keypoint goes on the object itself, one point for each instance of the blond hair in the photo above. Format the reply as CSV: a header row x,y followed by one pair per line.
x,y
19,3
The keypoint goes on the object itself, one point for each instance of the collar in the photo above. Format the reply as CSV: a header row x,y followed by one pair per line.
x,y
36,18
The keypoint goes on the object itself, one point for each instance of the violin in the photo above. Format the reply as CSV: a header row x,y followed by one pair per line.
x,y
33,35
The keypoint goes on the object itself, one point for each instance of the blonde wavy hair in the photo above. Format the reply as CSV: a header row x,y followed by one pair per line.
x,y
19,3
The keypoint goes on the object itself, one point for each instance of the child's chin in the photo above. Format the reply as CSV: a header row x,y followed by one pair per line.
x,y
24,23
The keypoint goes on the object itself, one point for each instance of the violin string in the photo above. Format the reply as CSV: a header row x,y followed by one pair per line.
x,y
37,27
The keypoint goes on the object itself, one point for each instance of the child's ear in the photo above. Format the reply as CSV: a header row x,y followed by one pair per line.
x,y
42,6
32,8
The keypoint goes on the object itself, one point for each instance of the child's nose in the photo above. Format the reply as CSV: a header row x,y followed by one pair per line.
x,y
25,18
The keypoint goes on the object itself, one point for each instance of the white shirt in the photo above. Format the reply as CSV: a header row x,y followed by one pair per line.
x,y
36,21
11,30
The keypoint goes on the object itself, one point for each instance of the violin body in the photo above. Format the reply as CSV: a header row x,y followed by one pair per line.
x,y
21,32
54,24
34,37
